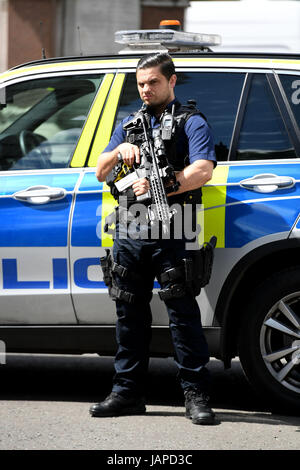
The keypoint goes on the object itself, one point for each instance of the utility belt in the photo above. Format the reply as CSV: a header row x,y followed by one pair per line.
x,y
188,277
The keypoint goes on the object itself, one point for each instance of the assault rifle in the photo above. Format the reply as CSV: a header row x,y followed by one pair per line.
x,y
155,167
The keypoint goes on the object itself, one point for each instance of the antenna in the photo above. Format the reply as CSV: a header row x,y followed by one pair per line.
x,y
79,39
42,38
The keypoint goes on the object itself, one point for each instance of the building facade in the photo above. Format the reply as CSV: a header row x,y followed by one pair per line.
x,y
32,29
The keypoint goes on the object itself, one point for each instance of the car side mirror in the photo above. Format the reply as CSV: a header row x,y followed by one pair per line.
x,y
2,98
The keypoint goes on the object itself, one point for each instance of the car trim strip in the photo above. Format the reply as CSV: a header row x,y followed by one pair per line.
x,y
239,116
214,202
108,205
65,66
83,145
115,62
107,120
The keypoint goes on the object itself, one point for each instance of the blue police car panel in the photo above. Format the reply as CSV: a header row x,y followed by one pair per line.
x,y
57,116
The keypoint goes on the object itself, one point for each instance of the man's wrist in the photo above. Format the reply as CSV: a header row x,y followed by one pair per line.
x,y
116,155
172,188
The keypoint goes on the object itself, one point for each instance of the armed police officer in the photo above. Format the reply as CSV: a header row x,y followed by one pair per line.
x,y
138,260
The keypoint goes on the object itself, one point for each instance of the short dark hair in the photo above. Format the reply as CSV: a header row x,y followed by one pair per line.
x,y
161,59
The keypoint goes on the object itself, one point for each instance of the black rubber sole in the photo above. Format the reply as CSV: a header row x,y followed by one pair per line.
x,y
125,412
204,421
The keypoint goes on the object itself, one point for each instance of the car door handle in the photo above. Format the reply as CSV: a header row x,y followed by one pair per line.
x,y
267,183
40,194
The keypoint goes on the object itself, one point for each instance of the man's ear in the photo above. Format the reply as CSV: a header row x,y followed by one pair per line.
x,y
173,80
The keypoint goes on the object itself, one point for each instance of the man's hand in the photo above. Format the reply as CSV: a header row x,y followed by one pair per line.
x,y
141,186
130,153
108,160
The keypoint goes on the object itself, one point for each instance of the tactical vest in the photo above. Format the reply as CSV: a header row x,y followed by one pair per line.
x,y
179,160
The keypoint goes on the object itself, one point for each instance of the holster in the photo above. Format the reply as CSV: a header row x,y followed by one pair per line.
x,y
109,267
198,268
106,264
191,275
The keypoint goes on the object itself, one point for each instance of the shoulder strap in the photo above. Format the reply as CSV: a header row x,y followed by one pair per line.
x,y
186,111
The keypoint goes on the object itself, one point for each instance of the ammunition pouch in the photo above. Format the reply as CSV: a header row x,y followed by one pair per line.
x,y
109,268
190,276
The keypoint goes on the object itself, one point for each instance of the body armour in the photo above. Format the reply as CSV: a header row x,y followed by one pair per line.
x,y
178,159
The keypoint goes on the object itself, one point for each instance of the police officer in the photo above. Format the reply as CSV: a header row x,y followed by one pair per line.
x,y
145,258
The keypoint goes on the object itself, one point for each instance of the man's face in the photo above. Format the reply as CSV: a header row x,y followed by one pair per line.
x,y
154,88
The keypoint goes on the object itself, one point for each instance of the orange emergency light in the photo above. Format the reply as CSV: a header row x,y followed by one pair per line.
x,y
170,24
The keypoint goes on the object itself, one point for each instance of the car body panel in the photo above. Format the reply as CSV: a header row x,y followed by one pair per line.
x,y
69,287
34,250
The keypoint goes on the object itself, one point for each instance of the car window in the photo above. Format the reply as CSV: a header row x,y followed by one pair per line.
x,y
216,94
42,120
263,134
291,85
130,100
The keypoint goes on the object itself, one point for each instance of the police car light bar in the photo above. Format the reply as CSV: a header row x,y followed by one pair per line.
x,y
168,39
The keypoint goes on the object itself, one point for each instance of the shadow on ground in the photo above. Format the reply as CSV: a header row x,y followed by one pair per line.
x,y
88,379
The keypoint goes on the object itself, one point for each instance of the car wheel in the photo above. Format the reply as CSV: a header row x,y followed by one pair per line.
x,y
269,340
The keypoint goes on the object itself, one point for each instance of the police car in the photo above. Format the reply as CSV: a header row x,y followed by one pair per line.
x,y
57,116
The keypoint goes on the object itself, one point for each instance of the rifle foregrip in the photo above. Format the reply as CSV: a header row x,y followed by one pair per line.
x,y
144,197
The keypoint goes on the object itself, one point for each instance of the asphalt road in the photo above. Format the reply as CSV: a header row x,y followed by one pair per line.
x,y
44,403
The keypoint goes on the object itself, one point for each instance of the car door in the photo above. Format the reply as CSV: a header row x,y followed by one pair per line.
x,y
253,198
43,120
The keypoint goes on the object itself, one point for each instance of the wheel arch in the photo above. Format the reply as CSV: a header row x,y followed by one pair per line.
x,y
247,274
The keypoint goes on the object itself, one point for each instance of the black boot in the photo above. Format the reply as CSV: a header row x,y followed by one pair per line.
x,y
197,409
116,405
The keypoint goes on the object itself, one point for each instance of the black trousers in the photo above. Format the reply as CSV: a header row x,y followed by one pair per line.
x,y
148,258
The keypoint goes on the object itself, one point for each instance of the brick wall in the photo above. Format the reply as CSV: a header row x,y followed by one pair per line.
x,y
25,40
152,15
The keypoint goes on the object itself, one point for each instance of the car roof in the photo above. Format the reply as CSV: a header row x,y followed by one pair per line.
x,y
286,61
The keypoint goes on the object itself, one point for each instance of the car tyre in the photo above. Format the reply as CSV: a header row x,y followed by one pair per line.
x,y
269,340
